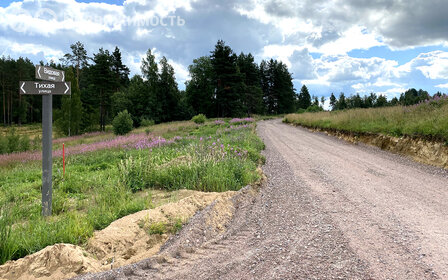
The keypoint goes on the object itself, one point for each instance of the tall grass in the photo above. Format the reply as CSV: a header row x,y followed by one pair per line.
x,y
428,119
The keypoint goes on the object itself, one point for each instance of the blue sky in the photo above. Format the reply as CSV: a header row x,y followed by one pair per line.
x,y
351,46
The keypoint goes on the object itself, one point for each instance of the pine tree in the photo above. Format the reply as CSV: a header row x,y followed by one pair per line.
x,y
101,75
228,82
78,58
120,70
150,74
304,100
333,102
251,78
342,104
168,92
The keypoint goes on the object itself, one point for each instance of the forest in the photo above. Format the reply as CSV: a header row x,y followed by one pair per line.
x,y
222,84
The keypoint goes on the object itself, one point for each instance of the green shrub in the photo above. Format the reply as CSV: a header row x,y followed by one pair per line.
x,y
122,123
3,145
146,122
13,141
24,143
199,119
314,108
36,143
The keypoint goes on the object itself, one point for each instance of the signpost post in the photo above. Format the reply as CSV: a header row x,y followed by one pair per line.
x,y
57,85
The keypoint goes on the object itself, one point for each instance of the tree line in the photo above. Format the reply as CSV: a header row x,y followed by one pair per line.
x,y
407,98
222,84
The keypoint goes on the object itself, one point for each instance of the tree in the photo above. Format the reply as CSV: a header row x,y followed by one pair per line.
x,y
68,119
120,70
315,101
228,82
277,87
167,92
150,74
78,58
101,75
200,90
122,123
333,102
251,79
381,101
341,104
304,100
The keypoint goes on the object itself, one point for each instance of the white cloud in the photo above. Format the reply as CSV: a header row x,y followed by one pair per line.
x,y
442,85
433,65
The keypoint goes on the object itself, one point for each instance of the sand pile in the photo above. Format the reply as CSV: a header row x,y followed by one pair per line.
x,y
124,241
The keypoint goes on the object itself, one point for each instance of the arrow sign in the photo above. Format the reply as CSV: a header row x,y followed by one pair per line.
x,y
49,74
44,88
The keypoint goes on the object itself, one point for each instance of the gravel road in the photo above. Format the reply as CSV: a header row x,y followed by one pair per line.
x,y
330,210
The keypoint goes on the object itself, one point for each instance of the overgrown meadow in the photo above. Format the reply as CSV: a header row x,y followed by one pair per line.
x,y
427,119
108,177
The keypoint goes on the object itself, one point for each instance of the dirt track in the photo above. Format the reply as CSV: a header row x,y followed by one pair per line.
x,y
330,210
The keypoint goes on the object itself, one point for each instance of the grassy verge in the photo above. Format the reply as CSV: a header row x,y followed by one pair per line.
x,y
427,120
103,185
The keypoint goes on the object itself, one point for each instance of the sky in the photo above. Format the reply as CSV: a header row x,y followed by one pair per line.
x,y
350,46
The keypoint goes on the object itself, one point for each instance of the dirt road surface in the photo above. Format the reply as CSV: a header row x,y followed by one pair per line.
x,y
330,210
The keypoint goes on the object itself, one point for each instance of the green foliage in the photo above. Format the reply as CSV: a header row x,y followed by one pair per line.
x,y
13,142
3,145
314,108
68,118
304,100
157,228
200,88
278,90
24,143
228,82
172,226
7,247
199,119
122,123
131,172
146,122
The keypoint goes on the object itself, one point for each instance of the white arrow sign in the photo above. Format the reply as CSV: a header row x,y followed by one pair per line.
x,y
23,83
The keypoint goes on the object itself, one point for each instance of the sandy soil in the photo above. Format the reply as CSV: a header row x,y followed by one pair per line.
x,y
123,242
329,210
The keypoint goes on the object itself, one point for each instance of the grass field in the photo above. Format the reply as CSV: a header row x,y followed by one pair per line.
x,y
108,177
429,119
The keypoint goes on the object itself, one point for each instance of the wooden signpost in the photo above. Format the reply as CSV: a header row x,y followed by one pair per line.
x,y
55,85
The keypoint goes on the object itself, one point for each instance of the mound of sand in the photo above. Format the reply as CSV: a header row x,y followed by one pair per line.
x,y
124,241
59,261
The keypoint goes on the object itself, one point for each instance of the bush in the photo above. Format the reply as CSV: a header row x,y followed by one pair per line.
x,y
122,123
314,108
3,145
13,141
24,144
199,119
146,122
